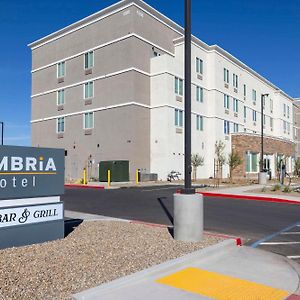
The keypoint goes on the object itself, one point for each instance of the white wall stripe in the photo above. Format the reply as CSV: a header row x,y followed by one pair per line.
x,y
127,104
79,27
91,79
102,46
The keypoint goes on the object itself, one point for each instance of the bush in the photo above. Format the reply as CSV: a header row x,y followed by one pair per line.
x,y
264,189
286,189
276,187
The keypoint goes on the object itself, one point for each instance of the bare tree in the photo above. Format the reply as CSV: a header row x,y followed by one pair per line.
x,y
197,161
220,160
234,160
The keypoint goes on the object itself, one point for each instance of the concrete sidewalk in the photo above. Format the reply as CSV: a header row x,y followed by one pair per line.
x,y
223,271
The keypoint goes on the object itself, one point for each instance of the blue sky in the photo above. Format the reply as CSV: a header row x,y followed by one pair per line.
x,y
263,34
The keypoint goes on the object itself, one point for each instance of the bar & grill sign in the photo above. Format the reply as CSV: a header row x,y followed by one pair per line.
x,y
24,215
31,172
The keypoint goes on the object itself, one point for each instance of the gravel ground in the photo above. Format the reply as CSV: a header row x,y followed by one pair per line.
x,y
94,253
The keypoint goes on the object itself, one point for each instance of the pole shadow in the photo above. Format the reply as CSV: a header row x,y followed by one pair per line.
x,y
168,214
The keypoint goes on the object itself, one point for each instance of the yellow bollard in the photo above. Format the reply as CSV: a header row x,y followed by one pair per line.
x,y
84,176
108,178
137,176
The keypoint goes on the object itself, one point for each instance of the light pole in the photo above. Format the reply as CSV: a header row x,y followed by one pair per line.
x,y
188,206
262,178
2,132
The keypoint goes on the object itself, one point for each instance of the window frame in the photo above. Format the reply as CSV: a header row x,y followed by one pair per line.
x,y
179,86
84,123
84,60
58,93
57,125
58,69
84,90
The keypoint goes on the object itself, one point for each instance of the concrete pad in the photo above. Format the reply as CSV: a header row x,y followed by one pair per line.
x,y
89,217
225,258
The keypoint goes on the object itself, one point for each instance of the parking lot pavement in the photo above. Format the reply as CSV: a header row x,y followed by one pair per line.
x,y
285,242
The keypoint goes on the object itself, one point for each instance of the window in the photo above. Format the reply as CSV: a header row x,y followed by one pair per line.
x,y
61,69
199,65
284,110
199,123
226,101
271,105
60,97
284,126
89,90
178,86
288,128
245,90
88,120
235,81
254,95
254,115
178,118
89,60
288,111
226,127
199,96
271,123
235,105
235,127
251,163
264,102
60,125
245,112
226,75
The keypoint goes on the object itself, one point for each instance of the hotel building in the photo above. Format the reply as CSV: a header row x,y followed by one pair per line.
x,y
111,87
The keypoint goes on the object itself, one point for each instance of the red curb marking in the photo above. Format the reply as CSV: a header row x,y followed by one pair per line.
x,y
238,240
293,297
244,197
84,186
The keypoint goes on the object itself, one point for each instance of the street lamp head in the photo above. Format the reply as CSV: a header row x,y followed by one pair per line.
x,y
265,95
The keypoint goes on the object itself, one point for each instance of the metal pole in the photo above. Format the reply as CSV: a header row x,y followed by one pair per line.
x,y
2,132
187,101
262,134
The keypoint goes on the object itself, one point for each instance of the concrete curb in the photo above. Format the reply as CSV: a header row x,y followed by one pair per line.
x,y
84,186
248,197
205,253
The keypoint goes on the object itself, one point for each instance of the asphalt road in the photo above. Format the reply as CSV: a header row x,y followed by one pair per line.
x,y
250,220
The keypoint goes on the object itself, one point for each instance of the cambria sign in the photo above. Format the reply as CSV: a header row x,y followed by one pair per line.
x,y
31,172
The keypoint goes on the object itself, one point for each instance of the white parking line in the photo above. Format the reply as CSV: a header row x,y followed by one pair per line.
x,y
292,232
167,188
279,243
293,256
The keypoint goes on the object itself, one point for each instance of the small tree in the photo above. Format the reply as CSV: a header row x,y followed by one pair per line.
x,y
234,160
197,161
220,157
297,166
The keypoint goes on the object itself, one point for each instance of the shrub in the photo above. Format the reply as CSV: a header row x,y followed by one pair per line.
x,y
286,189
276,187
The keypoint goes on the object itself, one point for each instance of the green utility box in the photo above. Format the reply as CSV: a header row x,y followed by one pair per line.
x,y
119,170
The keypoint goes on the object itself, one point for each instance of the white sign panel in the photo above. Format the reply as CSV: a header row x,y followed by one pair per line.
x,y
24,215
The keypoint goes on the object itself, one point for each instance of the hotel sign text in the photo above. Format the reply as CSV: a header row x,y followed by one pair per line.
x,y
28,172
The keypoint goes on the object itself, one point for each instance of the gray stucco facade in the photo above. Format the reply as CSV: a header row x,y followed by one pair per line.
x,y
123,39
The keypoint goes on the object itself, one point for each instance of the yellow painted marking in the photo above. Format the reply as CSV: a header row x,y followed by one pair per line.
x,y
221,287
28,173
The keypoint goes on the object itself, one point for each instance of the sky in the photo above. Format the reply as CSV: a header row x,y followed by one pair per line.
x,y
263,34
